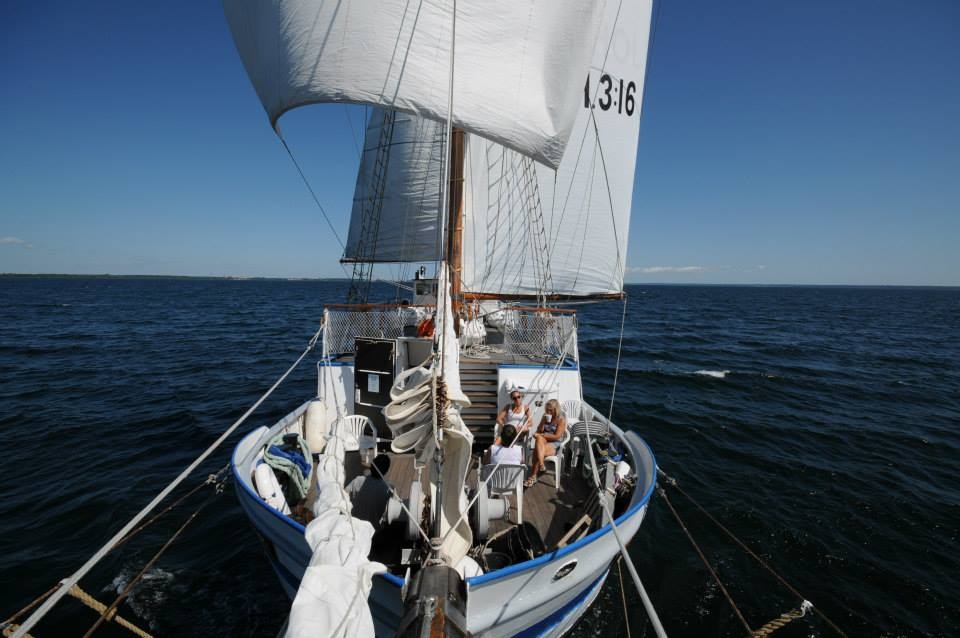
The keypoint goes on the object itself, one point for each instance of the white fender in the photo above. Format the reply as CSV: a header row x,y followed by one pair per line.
x,y
268,487
315,426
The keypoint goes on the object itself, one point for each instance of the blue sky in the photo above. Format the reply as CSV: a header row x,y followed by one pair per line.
x,y
781,142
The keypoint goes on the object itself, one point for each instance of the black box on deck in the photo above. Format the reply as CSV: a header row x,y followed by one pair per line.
x,y
373,376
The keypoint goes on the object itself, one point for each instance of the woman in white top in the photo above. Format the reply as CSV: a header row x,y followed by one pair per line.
x,y
516,414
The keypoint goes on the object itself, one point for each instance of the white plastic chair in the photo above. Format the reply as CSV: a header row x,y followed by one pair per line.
x,y
507,478
557,457
572,410
350,428
580,431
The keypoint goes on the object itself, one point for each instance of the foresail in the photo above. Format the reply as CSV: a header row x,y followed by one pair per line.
x,y
532,232
518,68
396,203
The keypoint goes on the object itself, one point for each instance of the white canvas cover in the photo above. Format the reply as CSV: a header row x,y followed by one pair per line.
x,y
399,185
332,597
518,67
586,223
457,440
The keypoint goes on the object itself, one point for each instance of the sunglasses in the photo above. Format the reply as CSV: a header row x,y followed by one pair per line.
x,y
514,396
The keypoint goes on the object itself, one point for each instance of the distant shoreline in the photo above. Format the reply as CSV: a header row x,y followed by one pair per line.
x,y
341,279
13,275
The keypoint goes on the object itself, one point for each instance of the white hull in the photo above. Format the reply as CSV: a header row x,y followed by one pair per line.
x,y
520,600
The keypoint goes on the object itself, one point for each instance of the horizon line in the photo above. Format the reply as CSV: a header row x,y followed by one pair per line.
x,y
344,279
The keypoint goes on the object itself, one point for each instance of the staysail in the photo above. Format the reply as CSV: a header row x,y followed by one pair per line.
x,y
527,229
518,67
398,191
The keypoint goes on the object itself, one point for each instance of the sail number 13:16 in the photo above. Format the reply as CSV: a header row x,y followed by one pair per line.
x,y
618,96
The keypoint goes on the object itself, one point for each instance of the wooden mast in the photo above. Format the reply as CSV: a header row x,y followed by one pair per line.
x,y
455,223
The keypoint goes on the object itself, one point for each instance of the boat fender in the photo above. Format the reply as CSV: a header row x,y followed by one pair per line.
x,y
315,426
268,487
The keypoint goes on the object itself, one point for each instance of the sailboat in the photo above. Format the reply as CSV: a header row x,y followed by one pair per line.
x,y
498,164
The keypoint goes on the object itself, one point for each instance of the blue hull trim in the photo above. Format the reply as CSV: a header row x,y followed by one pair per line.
x,y
551,622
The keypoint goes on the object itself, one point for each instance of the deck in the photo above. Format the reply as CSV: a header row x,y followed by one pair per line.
x,y
553,514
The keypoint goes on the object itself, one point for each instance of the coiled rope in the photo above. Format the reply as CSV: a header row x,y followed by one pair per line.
x,y
64,587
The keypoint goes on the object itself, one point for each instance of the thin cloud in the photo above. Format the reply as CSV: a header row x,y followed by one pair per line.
x,y
15,241
654,270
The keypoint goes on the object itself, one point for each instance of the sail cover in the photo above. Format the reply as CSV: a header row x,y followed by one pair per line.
x,y
396,203
518,67
529,230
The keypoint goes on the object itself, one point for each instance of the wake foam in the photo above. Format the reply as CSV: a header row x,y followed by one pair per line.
x,y
716,374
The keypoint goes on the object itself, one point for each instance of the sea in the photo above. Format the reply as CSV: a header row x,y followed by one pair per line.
x,y
819,425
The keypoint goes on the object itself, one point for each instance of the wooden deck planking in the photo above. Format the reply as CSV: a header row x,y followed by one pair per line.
x,y
551,513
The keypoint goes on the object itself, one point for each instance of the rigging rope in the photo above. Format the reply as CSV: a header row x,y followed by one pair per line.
x,y
601,493
67,583
672,482
353,135
396,495
616,370
623,597
9,623
315,199
713,573
107,613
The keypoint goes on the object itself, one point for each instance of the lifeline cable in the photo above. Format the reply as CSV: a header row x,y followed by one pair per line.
x,y
67,583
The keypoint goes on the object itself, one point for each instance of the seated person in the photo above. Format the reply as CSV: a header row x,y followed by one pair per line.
x,y
370,494
504,450
516,414
550,431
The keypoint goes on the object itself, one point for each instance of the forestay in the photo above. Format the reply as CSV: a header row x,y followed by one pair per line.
x,y
518,67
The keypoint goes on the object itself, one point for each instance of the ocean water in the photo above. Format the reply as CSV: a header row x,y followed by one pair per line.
x,y
821,425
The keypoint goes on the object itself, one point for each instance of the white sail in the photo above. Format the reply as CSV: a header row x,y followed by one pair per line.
x,y
518,67
398,191
583,214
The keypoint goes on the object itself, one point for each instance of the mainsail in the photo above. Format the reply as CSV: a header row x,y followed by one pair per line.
x,y
518,67
528,231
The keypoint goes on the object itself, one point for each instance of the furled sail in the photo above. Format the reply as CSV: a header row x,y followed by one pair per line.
x,y
396,203
530,231
518,67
